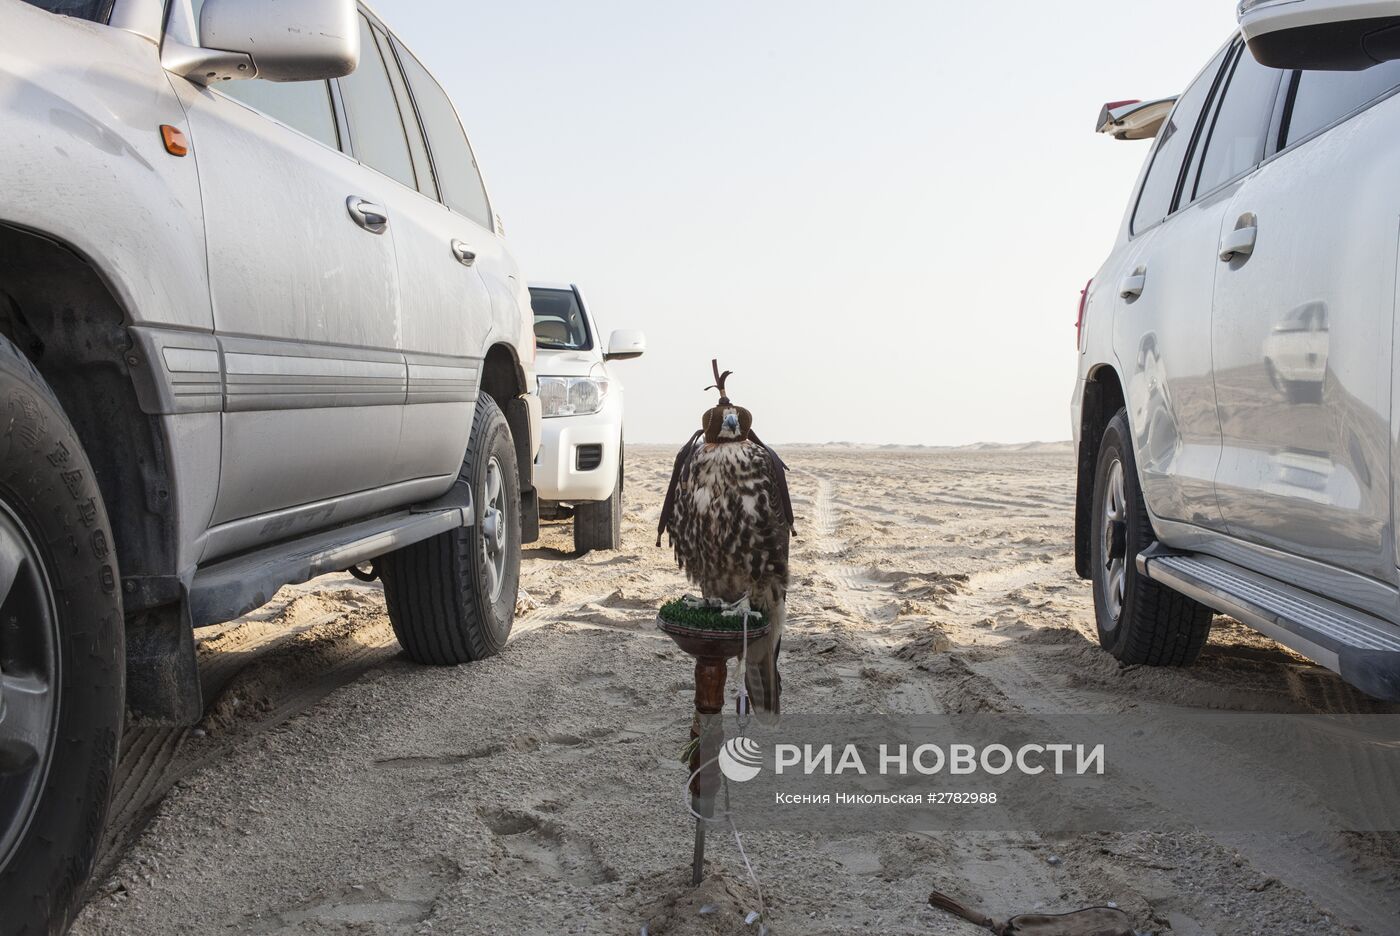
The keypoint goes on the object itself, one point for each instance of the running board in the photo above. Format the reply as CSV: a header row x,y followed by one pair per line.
x,y
233,587
1363,649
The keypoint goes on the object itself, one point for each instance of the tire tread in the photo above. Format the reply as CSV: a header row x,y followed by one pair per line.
x,y
431,588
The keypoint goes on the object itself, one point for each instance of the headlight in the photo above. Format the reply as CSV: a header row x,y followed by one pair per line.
x,y
572,396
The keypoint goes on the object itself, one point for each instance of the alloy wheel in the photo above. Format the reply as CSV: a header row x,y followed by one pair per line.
x,y
493,528
29,679
1113,546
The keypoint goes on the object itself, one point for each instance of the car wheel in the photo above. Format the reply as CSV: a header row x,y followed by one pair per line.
x,y
451,598
62,657
598,525
1139,621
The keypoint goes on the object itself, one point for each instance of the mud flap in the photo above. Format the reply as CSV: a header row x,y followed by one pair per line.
x,y
517,413
162,672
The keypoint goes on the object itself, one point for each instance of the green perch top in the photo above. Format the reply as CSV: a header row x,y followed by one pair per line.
x,y
677,614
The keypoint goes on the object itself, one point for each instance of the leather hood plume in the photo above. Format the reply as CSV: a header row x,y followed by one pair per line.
x,y
713,419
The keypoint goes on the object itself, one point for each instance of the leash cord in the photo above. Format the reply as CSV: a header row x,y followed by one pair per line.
x,y
726,815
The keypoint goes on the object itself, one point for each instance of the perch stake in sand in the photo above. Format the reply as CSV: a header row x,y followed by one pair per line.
x,y
713,639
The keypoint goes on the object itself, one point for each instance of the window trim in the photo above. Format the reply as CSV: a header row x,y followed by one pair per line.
x,y
398,107
385,42
396,44
1221,95
1188,156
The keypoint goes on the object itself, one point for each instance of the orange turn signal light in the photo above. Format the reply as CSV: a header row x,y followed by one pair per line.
x,y
176,143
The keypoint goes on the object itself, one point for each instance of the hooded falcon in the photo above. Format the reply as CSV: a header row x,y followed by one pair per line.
x,y
729,518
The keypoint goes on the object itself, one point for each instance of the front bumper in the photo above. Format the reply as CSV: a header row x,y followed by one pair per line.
x,y
558,476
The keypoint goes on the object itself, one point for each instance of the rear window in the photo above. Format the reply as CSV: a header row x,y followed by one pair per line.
x,y
99,11
1322,98
559,321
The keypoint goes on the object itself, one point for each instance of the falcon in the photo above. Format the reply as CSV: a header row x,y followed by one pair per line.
x,y
729,518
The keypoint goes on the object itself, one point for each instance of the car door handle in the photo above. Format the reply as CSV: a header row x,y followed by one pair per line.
x,y
1239,243
464,254
1133,286
367,214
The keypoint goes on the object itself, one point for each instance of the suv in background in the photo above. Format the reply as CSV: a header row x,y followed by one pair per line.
x,y
578,471
258,322
1235,407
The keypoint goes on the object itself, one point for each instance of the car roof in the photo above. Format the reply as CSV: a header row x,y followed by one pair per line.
x,y
567,287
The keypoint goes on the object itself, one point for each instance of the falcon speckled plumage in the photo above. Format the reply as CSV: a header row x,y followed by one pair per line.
x,y
729,518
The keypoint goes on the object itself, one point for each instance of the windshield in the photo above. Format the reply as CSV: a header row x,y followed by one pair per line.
x,y
560,324
96,10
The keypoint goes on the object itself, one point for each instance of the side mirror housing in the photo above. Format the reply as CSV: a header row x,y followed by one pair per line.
x,y
1323,35
625,344
276,40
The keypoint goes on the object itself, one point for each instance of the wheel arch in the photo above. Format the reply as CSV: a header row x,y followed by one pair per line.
x,y
58,307
503,379
1102,399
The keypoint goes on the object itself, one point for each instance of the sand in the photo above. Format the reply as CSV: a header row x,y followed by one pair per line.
x,y
336,788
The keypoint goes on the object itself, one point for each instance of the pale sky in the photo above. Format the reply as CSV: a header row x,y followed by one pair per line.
x,y
878,214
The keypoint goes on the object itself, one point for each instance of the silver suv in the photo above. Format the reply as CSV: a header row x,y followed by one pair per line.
x,y
1235,411
258,322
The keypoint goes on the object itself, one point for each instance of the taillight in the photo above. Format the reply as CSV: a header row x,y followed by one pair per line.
x,y
1079,321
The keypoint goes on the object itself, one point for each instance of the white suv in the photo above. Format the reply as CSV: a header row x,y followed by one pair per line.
x,y
578,471
1236,406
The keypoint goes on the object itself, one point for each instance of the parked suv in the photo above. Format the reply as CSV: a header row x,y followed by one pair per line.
x,y
578,472
257,322
1235,408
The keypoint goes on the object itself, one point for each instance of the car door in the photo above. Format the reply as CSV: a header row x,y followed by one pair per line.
x,y
442,240
305,293
1304,312
1162,319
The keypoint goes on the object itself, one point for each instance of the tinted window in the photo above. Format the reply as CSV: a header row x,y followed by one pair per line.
x,y
1241,123
373,113
421,166
559,322
1173,140
305,105
99,11
1322,98
457,175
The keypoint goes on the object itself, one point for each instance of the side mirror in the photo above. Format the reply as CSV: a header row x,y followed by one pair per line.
x,y
1325,35
625,344
277,40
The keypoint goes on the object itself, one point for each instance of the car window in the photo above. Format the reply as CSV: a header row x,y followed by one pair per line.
x,y
1173,141
1324,97
99,11
376,126
559,321
457,174
1240,125
303,105
422,167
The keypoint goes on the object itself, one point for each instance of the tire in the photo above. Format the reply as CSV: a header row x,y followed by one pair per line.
x,y
598,524
1139,621
452,598
62,640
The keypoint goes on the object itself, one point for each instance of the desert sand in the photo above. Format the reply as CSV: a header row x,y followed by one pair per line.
x,y
336,788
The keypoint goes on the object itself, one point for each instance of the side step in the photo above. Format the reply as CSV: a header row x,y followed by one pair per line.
x,y
1363,649
227,589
